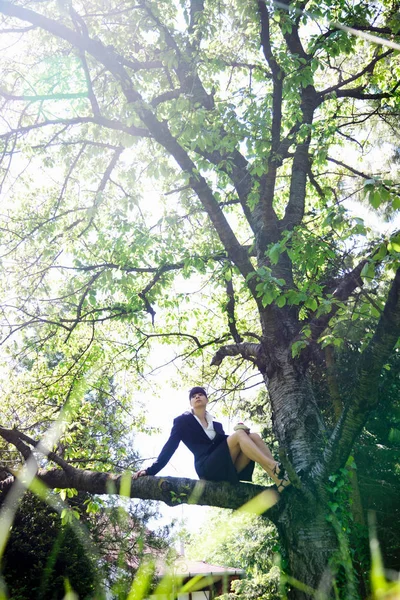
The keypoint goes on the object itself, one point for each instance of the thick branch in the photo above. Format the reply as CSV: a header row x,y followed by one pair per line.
x,y
164,489
265,211
12,437
196,8
301,163
20,439
165,97
237,169
344,289
230,309
188,77
366,394
358,94
291,34
248,350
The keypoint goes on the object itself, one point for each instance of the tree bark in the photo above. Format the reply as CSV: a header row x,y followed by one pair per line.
x,y
309,543
170,490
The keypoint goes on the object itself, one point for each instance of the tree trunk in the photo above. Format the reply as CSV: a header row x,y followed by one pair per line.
x,y
297,422
309,542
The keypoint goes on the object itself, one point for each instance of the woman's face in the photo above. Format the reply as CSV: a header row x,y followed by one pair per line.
x,y
198,400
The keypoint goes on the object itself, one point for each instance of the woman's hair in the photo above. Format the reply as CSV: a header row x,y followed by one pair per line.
x,y
197,390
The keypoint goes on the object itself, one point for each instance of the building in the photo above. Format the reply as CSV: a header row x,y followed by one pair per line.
x,y
193,580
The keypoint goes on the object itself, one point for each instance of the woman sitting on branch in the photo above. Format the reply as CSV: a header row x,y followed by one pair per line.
x,y
217,457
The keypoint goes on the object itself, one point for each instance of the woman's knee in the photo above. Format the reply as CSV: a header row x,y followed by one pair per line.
x,y
240,434
255,436
236,435
234,438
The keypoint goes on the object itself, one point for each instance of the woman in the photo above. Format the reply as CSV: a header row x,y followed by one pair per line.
x,y
217,457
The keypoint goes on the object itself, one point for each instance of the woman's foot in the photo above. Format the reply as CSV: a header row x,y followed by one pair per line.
x,y
278,469
284,483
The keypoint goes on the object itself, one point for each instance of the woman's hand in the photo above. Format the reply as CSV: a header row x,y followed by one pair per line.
x,y
139,474
242,426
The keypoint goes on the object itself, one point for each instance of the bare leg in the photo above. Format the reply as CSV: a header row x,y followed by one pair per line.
x,y
282,481
257,439
242,460
244,447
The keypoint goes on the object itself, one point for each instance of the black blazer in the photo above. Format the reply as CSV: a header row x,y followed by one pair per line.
x,y
188,430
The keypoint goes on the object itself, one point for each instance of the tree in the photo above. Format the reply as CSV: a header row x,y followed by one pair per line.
x,y
245,542
42,554
239,112
103,554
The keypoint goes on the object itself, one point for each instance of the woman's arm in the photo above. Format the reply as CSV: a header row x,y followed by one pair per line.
x,y
165,454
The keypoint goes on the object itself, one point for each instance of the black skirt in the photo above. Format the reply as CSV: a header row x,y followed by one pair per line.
x,y
218,466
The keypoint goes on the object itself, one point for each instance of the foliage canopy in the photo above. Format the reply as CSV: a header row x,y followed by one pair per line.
x,y
196,162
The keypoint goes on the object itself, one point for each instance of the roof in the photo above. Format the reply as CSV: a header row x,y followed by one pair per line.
x,y
188,568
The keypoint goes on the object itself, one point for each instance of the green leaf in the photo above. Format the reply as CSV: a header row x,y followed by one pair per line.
x,y
274,252
312,304
382,252
375,198
393,246
267,298
368,271
281,301
228,275
297,347
396,203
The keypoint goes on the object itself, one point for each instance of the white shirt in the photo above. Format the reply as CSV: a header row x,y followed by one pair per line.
x,y
210,431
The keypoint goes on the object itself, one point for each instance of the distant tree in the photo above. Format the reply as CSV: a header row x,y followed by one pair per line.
x,y
42,555
122,536
245,542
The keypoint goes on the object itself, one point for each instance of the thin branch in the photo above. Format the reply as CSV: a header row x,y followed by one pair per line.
x,y
66,180
369,69
102,185
358,173
91,95
43,97
17,29
315,183
102,121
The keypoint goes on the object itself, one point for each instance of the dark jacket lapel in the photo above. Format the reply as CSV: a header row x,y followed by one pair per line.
x,y
198,428
218,428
